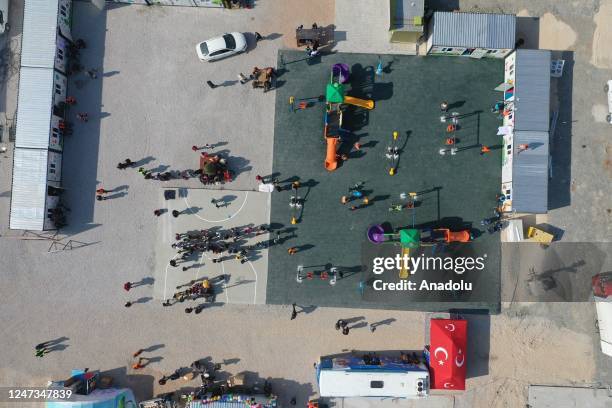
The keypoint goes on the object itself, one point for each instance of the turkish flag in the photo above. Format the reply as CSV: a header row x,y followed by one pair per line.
x,y
447,351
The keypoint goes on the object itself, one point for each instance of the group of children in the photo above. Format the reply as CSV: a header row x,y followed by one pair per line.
x,y
355,193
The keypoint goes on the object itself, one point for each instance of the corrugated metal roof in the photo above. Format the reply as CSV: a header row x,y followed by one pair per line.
x,y
403,13
29,189
34,108
532,90
530,173
39,33
474,30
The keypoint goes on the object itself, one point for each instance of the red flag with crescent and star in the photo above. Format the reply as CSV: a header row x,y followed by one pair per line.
x,y
447,353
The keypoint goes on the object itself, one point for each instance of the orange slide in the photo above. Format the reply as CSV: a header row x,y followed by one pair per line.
x,y
331,163
362,103
456,236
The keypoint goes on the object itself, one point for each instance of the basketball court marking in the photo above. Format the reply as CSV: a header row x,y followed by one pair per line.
x,y
246,196
197,273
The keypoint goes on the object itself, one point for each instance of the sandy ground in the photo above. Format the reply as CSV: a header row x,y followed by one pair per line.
x,y
602,54
599,112
78,294
547,33
530,350
522,349
293,13
555,34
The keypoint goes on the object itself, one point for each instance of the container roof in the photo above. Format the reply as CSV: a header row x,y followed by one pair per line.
x,y
39,33
532,90
34,107
474,30
530,172
29,190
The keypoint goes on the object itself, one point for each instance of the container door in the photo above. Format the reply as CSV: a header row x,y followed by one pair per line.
x,y
54,168
59,92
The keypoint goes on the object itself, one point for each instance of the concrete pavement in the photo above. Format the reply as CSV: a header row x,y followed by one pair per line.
x,y
242,282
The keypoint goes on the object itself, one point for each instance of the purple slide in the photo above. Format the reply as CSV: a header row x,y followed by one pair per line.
x,y
376,234
342,70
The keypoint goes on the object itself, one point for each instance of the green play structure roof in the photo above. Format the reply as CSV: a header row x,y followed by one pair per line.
x,y
334,93
410,238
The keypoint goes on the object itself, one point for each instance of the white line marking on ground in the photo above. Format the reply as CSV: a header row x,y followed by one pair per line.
x,y
224,219
166,277
255,288
226,289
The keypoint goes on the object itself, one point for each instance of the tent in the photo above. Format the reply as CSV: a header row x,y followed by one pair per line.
x,y
447,350
85,393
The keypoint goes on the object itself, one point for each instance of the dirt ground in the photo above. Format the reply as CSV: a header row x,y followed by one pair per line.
x,y
549,32
555,34
529,349
602,52
292,13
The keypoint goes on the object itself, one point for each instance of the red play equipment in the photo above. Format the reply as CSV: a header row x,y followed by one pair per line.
x,y
447,353
455,236
331,160
445,235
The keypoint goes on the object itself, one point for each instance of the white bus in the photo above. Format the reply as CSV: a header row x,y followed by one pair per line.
x,y
383,377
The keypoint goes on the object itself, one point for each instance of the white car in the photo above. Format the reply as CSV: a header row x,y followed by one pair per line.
x,y
221,47
608,90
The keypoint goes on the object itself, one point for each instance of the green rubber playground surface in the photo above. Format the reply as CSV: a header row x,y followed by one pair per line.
x,y
456,191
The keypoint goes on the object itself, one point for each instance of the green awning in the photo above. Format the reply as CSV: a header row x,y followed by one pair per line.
x,y
334,93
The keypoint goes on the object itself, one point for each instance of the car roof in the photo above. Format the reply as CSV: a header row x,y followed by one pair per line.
x,y
215,44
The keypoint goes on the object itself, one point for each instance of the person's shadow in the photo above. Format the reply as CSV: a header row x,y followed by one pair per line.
x,y
228,83
57,344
